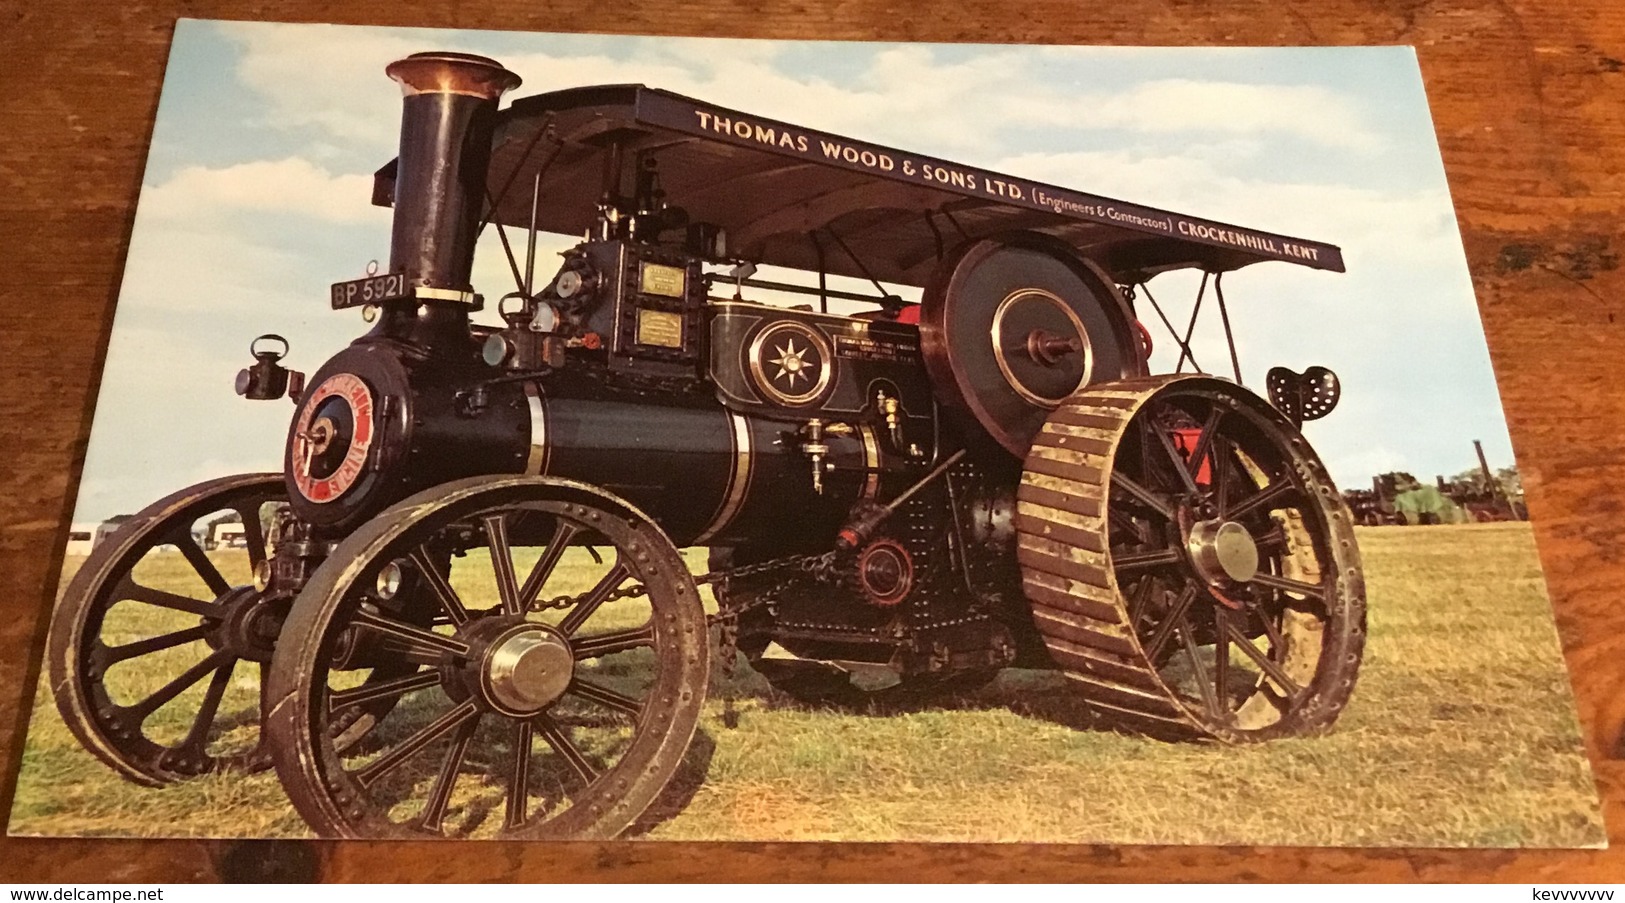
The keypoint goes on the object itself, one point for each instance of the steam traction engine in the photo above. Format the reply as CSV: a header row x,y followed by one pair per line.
x,y
463,599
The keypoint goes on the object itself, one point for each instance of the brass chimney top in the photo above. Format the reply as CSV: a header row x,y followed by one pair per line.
x,y
444,72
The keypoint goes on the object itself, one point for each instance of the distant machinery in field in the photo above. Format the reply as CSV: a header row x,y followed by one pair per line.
x,y
81,539
107,527
1399,498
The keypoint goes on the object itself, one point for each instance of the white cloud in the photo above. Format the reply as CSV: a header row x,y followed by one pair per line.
x,y
331,78
1375,227
1309,112
292,185
242,237
324,76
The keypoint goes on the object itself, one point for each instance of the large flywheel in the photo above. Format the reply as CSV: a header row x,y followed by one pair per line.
x,y
1189,563
1012,325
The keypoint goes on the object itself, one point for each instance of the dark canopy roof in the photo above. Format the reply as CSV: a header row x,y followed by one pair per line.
x,y
770,184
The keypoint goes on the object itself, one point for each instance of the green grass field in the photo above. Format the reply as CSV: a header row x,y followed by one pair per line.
x,y
1462,733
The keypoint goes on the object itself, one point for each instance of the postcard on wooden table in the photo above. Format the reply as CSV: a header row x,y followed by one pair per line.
x,y
541,436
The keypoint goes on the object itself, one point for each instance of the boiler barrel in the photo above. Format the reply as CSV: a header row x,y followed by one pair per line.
x,y
708,475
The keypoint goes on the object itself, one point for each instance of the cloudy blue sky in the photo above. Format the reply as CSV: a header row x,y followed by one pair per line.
x,y
256,197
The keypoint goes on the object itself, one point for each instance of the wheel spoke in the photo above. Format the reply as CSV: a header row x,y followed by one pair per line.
x,y
1277,643
384,689
1132,561
375,770
563,532
1269,495
496,535
415,639
1220,478
111,655
1221,655
560,741
585,608
1142,495
1123,521
601,644
1142,596
1204,441
199,734
1273,539
1287,584
434,809
253,534
129,589
519,779
453,606
179,685
200,562
604,696
1198,670
1165,628
1273,670
1180,465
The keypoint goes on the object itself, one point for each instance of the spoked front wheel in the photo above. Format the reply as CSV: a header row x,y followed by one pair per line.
x,y
157,645
553,695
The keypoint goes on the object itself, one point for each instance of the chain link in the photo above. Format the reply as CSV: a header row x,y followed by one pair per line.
x,y
812,564
727,617
568,601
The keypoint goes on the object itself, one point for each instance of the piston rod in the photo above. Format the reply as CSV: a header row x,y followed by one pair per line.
x,y
858,529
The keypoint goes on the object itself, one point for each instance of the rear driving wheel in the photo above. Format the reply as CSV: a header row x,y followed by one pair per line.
x,y
1189,563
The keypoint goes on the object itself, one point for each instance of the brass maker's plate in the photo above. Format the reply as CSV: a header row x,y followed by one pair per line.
x,y
659,279
659,327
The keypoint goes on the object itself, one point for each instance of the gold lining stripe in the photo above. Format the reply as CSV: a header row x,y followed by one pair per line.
x,y
443,294
536,464
871,463
738,480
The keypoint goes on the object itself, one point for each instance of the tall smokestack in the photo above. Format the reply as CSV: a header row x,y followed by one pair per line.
x,y
447,117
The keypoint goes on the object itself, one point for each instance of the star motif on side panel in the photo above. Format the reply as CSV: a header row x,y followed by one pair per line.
x,y
792,363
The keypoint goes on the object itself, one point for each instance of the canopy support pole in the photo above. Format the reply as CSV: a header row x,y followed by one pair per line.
x,y
546,129
1190,330
1172,332
889,302
823,288
936,234
1229,337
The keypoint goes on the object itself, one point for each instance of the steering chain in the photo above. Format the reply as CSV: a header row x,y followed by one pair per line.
x,y
727,616
817,565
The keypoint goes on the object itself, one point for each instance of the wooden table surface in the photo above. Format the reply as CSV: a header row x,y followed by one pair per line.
x,y
1529,101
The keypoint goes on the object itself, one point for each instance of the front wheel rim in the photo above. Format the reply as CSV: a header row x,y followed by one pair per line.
x,y
579,756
